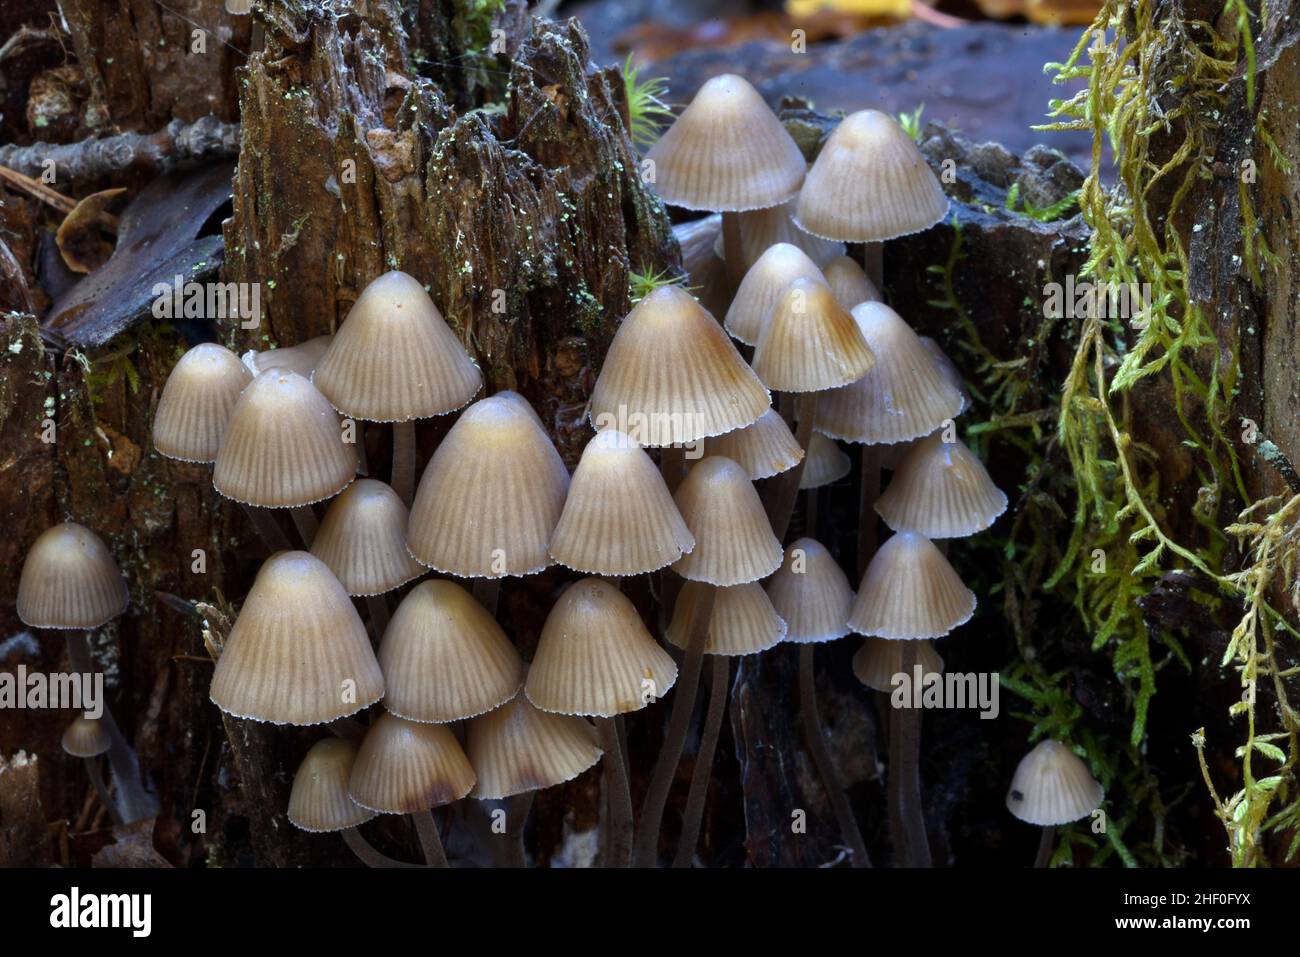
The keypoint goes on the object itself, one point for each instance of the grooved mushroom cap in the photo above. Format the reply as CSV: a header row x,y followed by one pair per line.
x,y
445,658
904,396
763,287
812,593
942,491
284,445
619,518
85,738
595,656
727,152
761,229
519,748
763,449
301,358
298,653
849,284
948,369
734,542
394,358
70,580
743,620
910,591
878,660
671,375
1053,786
363,540
491,495
826,463
869,183
809,343
196,402
403,767
319,800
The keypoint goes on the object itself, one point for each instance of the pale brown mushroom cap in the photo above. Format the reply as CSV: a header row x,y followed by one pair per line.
x,y
403,767
734,541
827,463
491,496
445,658
363,540
196,403
948,369
85,738
319,800
879,659
763,286
595,656
298,653
70,580
395,358
519,748
763,449
910,591
849,284
284,445
761,229
743,621
942,491
1053,786
870,183
301,358
809,343
727,152
811,593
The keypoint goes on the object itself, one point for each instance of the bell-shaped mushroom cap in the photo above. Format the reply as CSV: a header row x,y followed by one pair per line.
x,y
1053,786
394,358
948,369
284,445
826,463
671,375
445,658
812,593
809,342
319,800
301,358
910,591
706,273
849,284
70,580
942,491
734,542
491,495
404,766
869,183
239,7
298,653
619,518
595,656
904,396
878,660
85,738
363,540
519,748
763,449
761,229
196,402
743,620
727,152
763,287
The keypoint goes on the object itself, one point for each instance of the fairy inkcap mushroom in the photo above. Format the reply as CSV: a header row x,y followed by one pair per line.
x,y
87,738
301,358
763,449
1052,786
742,621
405,767
363,540
947,368
70,581
810,343
196,403
319,800
849,284
811,593
734,543
825,463
878,660
941,490
763,287
910,591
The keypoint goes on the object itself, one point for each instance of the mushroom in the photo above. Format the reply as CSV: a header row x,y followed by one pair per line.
x,y
763,449
1052,786
761,229
824,465
239,7
301,358
196,402
762,288
941,490
948,368
877,661
849,284
86,738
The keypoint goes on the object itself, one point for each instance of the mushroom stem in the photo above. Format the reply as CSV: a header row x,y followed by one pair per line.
x,y
619,823
487,592
304,519
97,779
732,251
810,514
366,852
379,616
430,842
517,810
912,845
812,729
785,487
1045,845
652,811
268,529
672,465
867,520
695,799
873,263
403,476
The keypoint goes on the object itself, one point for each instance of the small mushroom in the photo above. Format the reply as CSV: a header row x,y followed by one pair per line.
x,y
849,284
763,449
763,286
196,403
86,738
761,229
1052,786
941,490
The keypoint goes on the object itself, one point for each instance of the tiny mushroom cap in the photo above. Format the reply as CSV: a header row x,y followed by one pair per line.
x,y
85,738
619,518
445,658
870,183
394,358
904,396
849,284
809,342
403,767
301,358
878,660
196,403
298,653
948,368
70,580
284,445
706,273
826,463
761,229
671,375
812,593
319,800
734,542
727,152
595,656
763,449
491,495
910,591
239,7
743,621
519,748
1053,786
942,491
363,540
763,286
